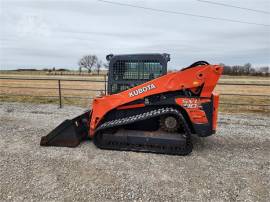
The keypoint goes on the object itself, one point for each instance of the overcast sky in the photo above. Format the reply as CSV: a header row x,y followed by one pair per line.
x,y
48,33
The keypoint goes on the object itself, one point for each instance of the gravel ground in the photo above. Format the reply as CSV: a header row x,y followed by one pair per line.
x,y
231,165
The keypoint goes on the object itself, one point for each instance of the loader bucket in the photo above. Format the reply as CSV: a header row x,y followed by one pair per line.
x,y
69,133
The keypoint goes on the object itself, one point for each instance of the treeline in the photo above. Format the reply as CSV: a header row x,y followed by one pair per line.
x,y
246,69
44,70
56,70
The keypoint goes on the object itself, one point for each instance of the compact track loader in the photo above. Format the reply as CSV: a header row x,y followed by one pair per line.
x,y
147,109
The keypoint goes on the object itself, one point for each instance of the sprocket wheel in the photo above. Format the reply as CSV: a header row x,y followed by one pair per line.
x,y
169,123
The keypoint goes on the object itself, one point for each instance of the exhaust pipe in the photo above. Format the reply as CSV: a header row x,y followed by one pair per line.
x,y
69,133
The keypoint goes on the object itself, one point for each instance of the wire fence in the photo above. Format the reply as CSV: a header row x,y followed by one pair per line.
x,y
50,85
86,89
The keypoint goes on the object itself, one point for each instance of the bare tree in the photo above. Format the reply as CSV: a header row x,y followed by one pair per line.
x,y
247,68
98,66
227,69
235,70
88,62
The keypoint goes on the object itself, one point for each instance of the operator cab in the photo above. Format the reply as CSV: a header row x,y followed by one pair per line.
x,y
128,71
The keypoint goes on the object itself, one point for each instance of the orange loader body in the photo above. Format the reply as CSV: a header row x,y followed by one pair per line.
x,y
191,78
157,116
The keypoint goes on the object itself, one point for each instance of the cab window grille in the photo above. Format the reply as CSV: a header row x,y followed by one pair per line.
x,y
136,70
128,71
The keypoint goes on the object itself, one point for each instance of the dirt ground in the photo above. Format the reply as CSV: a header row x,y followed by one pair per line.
x,y
228,166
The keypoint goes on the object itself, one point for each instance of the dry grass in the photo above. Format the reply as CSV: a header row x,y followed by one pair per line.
x,y
69,89
247,90
245,79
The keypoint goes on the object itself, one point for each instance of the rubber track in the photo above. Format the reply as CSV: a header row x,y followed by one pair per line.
x,y
145,148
